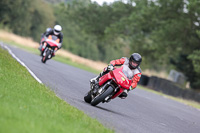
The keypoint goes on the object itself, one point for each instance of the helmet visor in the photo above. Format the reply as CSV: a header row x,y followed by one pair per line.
x,y
56,32
134,64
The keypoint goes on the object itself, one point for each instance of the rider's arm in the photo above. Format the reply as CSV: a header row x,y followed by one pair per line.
x,y
59,45
46,34
135,80
61,38
118,62
50,32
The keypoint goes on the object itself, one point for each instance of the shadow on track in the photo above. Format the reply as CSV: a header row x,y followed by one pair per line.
x,y
111,111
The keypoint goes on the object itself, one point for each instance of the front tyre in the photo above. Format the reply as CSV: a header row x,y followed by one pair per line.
x,y
44,58
88,97
102,96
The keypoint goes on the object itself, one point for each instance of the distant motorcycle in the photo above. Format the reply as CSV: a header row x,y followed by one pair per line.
x,y
110,86
52,42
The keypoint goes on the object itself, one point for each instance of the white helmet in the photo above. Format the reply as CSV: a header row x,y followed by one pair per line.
x,y
57,29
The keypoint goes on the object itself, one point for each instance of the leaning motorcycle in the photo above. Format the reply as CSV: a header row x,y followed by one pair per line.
x,y
110,86
52,42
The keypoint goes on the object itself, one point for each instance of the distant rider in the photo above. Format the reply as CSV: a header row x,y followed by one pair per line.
x,y
131,66
42,36
56,31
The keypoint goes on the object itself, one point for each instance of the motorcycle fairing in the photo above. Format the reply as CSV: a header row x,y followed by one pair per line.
x,y
53,41
119,78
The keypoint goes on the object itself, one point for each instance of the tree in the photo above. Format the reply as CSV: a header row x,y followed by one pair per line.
x,y
29,19
162,31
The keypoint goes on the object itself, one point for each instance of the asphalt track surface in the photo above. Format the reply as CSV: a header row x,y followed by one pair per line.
x,y
140,112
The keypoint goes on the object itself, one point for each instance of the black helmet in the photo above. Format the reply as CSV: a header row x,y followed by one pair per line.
x,y
135,60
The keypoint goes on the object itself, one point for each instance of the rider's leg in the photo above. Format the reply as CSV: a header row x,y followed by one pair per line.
x,y
96,79
44,46
54,52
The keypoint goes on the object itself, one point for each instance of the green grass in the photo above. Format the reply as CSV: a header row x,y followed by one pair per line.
x,y
27,106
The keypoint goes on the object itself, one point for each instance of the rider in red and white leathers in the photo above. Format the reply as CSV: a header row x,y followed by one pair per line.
x,y
56,31
130,68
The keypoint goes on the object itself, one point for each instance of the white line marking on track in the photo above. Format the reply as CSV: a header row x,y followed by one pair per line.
x,y
15,57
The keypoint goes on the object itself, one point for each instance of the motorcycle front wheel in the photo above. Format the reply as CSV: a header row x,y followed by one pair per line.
x,y
88,97
44,58
99,98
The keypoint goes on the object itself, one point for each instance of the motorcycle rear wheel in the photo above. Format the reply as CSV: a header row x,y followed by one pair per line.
x,y
102,96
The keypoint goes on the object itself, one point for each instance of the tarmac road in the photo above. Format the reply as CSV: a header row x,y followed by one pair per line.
x,y
140,112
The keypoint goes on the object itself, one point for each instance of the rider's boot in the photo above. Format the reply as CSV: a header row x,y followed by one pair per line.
x,y
42,50
96,79
53,54
124,94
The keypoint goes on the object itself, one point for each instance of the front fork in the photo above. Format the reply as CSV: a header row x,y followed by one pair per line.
x,y
45,51
96,90
94,87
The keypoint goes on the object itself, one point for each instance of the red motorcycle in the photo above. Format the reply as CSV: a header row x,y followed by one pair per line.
x,y
51,43
110,86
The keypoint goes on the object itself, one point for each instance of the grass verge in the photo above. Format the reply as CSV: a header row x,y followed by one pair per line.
x,y
12,43
78,65
179,99
27,106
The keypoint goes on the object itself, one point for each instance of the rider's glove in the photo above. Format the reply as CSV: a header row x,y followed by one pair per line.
x,y
110,67
60,45
131,88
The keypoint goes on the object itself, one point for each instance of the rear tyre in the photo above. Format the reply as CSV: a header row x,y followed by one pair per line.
x,y
102,96
88,97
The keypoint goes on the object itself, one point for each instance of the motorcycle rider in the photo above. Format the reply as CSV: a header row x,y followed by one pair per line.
x,y
47,30
56,31
131,67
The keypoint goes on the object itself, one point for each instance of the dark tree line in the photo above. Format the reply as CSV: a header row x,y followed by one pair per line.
x,y
26,17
